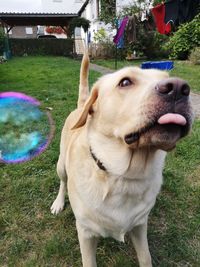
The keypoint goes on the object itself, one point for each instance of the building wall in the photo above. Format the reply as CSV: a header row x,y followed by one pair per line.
x,y
23,32
92,13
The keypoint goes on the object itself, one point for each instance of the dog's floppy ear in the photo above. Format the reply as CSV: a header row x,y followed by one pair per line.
x,y
87,109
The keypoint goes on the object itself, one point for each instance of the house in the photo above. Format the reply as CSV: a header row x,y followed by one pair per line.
x,y
23,32
20,21
94,7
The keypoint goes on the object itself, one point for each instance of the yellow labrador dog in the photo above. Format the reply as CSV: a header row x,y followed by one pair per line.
x,y
112,150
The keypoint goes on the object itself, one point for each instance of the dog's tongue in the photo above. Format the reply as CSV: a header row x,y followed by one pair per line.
x,y
172,118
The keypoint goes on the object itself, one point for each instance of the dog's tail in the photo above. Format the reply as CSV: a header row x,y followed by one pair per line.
x,y
83,84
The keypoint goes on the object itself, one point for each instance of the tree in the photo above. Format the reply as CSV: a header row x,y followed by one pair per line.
x,y
78,22
108,11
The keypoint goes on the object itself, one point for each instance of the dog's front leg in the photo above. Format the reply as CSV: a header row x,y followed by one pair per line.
x,y
88,247
139,239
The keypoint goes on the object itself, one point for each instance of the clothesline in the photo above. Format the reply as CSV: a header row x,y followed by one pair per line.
x,y
166,14
174,12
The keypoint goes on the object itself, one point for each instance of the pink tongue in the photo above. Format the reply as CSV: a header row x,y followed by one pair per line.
x,y
172,118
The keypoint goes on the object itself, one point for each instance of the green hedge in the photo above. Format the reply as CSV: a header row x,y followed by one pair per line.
x,y
57,47
185,39
1,45
1,40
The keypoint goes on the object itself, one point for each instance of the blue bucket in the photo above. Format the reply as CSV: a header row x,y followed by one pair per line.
x,y
161,65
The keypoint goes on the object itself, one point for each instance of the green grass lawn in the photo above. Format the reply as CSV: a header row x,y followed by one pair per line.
x,y
31,236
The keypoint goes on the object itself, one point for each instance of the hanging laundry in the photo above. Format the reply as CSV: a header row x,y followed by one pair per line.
x,y
188,9
149,23
120,30
131,29
144,16
89,37
172,12
120,44
159,15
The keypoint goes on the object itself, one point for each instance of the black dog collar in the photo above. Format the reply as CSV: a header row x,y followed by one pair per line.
x,y
98,162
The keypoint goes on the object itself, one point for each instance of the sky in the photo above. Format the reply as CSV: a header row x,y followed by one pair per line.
x,y
36,6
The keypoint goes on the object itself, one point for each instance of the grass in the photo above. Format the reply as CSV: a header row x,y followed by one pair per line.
x,y
30,236
182,69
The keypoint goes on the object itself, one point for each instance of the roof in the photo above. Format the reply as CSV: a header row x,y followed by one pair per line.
x,y
41,6
33,19
53,18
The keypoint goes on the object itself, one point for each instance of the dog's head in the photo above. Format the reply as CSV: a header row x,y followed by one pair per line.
x,y
140,107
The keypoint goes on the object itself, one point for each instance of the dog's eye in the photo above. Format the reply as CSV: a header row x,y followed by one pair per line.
x,y
125,82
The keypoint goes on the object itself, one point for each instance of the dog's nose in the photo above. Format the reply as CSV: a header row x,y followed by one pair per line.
x,y
174,88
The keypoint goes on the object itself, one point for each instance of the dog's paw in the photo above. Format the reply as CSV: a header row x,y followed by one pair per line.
x,y
57,205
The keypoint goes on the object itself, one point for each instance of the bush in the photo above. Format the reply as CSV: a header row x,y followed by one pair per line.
x,y
57,47
195,56
102,47
149,44
100,36
152,45
185,39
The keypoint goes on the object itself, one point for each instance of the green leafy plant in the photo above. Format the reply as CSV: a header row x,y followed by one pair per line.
x,y
103,47
185,39
108,11
149,44
78,22
100,36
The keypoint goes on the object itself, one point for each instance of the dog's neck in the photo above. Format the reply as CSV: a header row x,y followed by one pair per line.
x,y
116,158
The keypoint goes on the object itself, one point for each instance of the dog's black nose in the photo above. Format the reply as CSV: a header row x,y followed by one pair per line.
x,y
174,88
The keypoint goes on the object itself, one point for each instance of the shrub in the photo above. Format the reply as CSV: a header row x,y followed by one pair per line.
x,y
57,47
195,56
185,39
100,36
152,45
149,44
102,47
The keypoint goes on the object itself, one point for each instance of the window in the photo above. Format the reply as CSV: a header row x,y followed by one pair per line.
x,y
29,30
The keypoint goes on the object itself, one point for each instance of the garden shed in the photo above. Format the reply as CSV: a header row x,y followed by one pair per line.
x,y
9,20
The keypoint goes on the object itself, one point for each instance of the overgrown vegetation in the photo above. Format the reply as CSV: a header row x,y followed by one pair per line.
x,y
30,236
149,44
186,38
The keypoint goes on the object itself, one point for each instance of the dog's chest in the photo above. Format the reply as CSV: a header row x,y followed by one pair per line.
x,y
121,205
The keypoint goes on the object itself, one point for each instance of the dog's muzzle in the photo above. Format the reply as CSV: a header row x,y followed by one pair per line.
x,y
171,116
